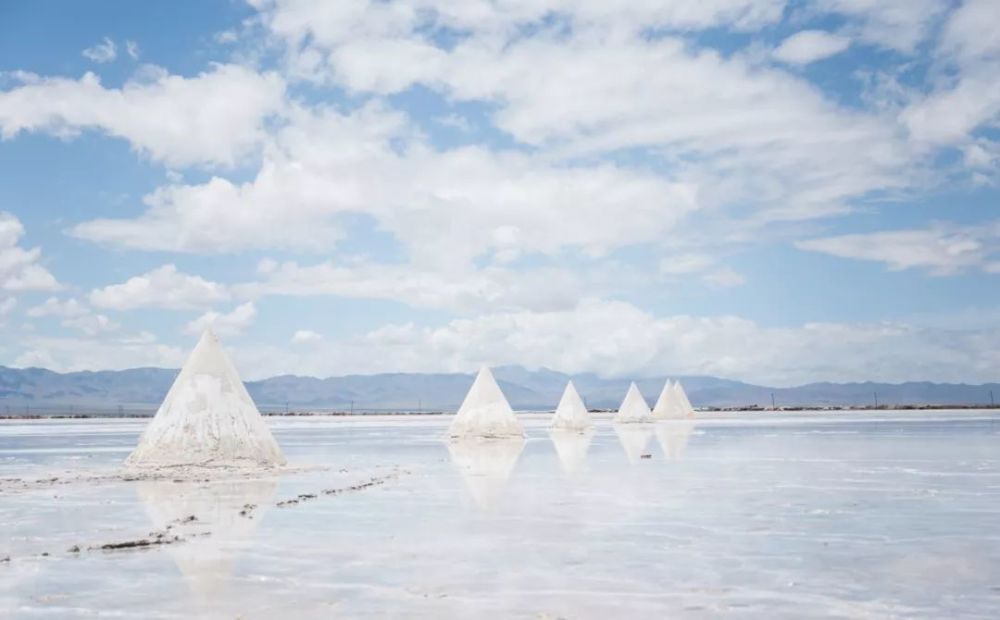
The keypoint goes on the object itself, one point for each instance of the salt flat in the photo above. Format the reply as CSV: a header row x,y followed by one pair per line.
x,y
882,514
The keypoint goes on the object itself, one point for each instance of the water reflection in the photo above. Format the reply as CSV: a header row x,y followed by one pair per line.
x,y
486,466
214,539
571,447
634,439
673,437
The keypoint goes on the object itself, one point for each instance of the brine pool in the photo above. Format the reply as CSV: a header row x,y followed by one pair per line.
x,y
849,515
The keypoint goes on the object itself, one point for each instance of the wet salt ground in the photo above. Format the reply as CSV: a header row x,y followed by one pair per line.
x,y
817,515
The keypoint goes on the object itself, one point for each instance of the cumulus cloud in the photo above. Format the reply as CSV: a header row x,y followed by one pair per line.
x,y
132,48
706,267
899,25
742,133
225,324
216,117
103,52
164,287
724,277
19,268
809,46
111,352
942,250
601,158
53,306
968,96
618,339
91,324
444,206
461,290
305,336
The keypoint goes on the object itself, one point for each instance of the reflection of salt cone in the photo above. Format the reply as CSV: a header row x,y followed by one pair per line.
x,y
207,561
673,436
634,439
571,447
486,465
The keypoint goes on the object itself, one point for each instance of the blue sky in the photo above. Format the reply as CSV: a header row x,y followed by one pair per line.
x,y
777,191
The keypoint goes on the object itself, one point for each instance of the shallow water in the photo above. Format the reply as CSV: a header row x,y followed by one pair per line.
x,y
811,515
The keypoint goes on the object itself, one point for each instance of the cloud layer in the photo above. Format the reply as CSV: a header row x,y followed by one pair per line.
x,y
550,183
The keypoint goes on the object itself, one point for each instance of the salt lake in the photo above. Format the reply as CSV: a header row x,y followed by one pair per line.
x,y
839,514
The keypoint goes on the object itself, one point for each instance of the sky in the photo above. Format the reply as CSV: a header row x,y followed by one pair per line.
x,y
776,191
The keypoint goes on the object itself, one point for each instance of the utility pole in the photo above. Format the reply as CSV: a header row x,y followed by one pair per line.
x,y
772,402
876,400
352,407
992,404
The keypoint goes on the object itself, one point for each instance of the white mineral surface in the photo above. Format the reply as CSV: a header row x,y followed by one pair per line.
x,y
845,515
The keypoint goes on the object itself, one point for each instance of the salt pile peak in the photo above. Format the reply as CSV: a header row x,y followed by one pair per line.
x,y
571,414
682,404
634,407
207,419
663,408
485,411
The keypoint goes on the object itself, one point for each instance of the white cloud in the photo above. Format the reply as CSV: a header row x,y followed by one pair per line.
x,y
305,336
132,48
445,207
454,121
809,46
724,277
103,52
743,133
684,264
459,290
164,287
88,353
7,306
91,324
216,117
942,249
75,315
968,95
19,268
702,265
53,306
617,339
231,324
899,25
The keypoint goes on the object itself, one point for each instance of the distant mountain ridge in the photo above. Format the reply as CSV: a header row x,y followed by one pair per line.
x,y
142,389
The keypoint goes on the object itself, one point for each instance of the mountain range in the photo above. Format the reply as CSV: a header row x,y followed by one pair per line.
x,y
139,390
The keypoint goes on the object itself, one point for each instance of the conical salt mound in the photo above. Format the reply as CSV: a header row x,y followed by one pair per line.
x,y
485,411
681,402
207,419
633,408
571,414
663,409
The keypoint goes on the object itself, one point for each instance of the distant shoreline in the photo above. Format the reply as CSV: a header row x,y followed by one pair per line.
x,y
312,414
